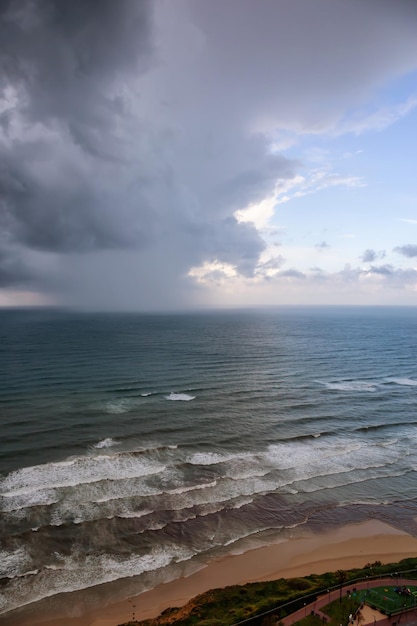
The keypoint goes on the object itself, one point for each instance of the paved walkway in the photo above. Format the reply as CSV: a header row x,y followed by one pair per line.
x,y
407,617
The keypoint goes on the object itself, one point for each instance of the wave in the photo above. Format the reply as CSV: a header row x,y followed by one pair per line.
x,y
134,485
120,406
108,442
77,471
14,563
183,506
74,574
161,471
213,458
350,385
367,386
184,397
408,382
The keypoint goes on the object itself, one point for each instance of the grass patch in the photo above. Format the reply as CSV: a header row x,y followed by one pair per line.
x,y
339,611
388,600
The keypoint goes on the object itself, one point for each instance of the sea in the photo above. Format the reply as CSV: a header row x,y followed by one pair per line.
x,y
136,448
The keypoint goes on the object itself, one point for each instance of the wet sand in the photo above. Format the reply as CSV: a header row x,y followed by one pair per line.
x,y
348,547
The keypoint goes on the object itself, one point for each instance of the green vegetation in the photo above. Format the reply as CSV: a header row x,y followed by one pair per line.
x,y
227,606
337,611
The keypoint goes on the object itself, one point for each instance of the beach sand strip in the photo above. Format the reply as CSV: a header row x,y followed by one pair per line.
x,y
349,547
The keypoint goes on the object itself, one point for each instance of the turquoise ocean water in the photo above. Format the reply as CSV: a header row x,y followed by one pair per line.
x,y
135,448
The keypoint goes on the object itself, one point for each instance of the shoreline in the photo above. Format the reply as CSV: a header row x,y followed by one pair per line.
x,y
347,547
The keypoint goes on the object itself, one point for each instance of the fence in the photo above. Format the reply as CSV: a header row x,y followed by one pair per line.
x,y
283,610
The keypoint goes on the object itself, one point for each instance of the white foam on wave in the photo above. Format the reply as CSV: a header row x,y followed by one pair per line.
x,y
388,442
77,471
120,406
350,385
17,501
315,459
235,466
212,458
109,485
74,574
182,397
342,479
14,563
108,442
134,514
408,382
213,483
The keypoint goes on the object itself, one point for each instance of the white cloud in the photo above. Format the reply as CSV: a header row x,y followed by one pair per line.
x,y
377,120
213,271
314,181
258,214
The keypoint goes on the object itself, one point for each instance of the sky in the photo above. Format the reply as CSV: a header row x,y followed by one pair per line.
x,y
181,154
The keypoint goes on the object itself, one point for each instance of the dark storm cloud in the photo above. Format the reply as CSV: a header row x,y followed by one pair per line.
x,y
63,60
69,214
409,250
13,270
103,166
66,55
132,130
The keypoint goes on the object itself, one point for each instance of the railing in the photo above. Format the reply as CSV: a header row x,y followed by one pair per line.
x,y
302,601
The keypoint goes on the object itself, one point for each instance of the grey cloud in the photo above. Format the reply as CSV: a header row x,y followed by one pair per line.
x,y
273,264
388,275
103,172
66,60
314,56
409,250
322,246
64,215
369,256
66,55
13,270
391,276
385,270
291,273
394,277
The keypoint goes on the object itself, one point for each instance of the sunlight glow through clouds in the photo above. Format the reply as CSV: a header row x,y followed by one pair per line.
x,y
213,271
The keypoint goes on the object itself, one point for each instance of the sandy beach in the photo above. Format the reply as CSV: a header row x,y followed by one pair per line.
x,y
344,548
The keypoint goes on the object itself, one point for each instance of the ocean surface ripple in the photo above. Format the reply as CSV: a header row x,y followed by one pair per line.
x,y
140,447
